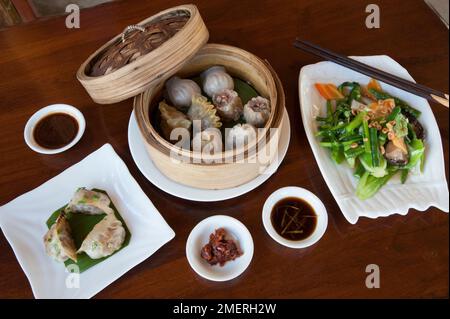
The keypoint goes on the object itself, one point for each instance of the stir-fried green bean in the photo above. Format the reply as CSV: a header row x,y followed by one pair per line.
x,y
354,152
374,148
355,123
394,113
366,135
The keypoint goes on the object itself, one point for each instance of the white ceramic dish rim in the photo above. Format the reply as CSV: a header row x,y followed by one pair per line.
x,y
151,172
238,227
41,113
352,208
309,197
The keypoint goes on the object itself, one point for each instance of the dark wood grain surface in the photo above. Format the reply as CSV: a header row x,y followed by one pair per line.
x,y
38,62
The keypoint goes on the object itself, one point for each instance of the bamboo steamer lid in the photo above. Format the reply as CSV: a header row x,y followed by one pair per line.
x,y
144,55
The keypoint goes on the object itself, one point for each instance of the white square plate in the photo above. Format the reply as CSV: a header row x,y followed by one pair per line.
x,y
23,223
419,191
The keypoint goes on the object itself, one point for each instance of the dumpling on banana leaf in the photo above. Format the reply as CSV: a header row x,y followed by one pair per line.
x,y
104,239
58,240
89,202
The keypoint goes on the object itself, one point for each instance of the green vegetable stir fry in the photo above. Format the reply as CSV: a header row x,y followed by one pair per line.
x,y
376,134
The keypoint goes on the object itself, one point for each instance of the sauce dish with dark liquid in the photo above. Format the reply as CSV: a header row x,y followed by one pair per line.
x,y
54,129
294,217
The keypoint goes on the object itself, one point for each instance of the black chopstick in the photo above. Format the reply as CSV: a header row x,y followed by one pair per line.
x,y
414,88
373,70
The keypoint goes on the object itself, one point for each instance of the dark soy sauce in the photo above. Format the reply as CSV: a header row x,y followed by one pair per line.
x,y
293,218
55,130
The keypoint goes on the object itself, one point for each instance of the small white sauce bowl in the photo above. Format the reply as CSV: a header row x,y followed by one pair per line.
x,y
311,199
54,108
199,237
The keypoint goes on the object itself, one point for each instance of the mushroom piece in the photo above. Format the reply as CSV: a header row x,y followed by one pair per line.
x,y
394,155
416,126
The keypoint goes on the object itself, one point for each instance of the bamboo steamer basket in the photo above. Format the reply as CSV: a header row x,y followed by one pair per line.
x,y
187,54
230,168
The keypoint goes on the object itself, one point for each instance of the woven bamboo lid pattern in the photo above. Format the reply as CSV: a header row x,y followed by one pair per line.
x,y
137,41
144,55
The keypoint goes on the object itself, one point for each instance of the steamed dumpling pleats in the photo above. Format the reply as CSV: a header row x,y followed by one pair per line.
x,y
181,91
105,238
257,111
205,112
215,80
58,241
228,105
89,202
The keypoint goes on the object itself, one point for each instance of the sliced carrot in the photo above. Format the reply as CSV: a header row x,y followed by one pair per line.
x,y
374,84
365,92
329,91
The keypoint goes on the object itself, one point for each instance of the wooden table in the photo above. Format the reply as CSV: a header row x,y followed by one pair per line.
x,y
38,62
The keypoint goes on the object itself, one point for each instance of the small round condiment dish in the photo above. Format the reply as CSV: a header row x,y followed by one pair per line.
x,y
46,111
311,199
199,237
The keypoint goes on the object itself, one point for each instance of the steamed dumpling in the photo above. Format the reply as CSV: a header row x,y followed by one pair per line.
x,y
58,241
171,119
216,80
89,202
205,112
240,135
210,141
257,111
181,91
228,105
105,238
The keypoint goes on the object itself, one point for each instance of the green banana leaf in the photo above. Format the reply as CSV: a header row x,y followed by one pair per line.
x,y
81,225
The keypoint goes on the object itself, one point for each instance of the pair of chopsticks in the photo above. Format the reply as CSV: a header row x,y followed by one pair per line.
x,y
414,88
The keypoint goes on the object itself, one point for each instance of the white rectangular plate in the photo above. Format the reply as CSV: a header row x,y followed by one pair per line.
x,y
419,192
23,223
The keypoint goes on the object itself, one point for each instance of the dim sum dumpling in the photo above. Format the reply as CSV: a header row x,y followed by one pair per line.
x,y
210,141
215,80
257,111
205,112
240,135
105,238
58,240
89,202
181,91
228,104
171,119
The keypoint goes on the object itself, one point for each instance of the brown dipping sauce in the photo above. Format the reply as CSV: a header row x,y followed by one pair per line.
x,y
293,218
55,130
